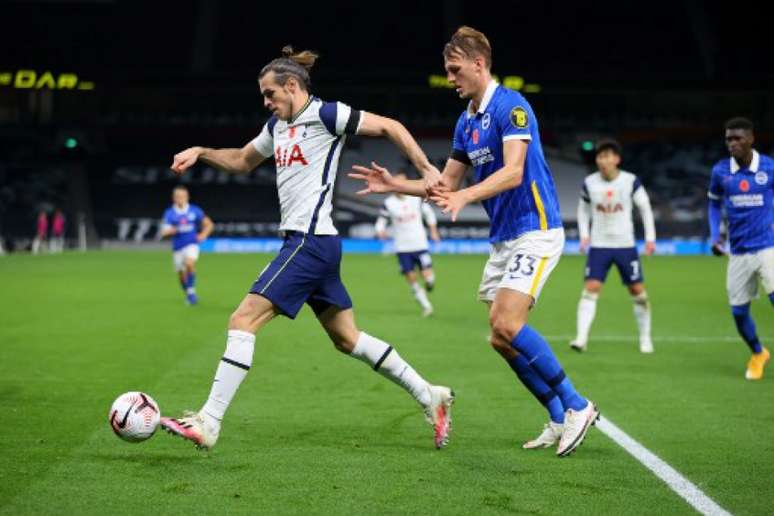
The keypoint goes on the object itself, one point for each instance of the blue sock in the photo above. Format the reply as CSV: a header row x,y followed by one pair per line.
x,y
539,355
190,280
746,326
539,389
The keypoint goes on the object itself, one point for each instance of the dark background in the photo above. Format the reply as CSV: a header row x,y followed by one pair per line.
x,y
660,76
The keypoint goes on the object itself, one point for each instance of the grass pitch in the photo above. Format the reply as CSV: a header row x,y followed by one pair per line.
x,y
314,432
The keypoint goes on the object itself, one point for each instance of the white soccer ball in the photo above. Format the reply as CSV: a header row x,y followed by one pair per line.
x,y
134,416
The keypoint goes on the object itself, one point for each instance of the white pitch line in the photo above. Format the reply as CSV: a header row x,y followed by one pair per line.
x,y
658,338
676,482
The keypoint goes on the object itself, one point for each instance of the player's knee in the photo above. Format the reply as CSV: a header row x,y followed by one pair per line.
x,y
504,330
593,287
240,320
343,341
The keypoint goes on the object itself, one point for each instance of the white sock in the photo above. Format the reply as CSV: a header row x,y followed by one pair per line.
x,y
430,279
192,290
384,359
587,309
232,369
420,295
642,314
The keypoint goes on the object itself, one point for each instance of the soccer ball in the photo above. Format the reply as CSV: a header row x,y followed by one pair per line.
x,y
134,416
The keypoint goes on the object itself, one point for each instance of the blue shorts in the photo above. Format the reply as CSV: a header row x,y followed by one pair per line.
x,y
626,259
306,270
409,261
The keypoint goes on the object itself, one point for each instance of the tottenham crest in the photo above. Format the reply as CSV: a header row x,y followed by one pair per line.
x,y
519,117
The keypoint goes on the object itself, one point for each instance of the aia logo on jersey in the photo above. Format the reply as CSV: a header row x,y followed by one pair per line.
x,y
744,185
287,156
609,209
475,136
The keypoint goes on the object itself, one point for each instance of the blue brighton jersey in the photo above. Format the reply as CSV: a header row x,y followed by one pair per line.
x,y
748,197
505,115
187,221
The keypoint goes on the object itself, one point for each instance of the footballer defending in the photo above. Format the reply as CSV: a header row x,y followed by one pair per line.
x,y
606,202
743,185
188,225
404,214
305,136
498,136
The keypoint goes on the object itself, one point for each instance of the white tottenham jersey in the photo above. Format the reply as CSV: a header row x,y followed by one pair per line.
x,y
306,153
608,206
405,214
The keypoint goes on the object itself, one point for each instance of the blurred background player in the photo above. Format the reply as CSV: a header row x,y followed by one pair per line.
x,y
41,233
57,232
405,213
305,136
188,225
744,185
498,136
606,201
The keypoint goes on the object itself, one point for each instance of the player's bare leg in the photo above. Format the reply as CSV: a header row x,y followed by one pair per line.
x,y
642,315
587,309
512,337
436,400
419,293
203,427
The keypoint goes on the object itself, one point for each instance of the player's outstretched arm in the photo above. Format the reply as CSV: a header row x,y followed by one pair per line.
x,y
379,180
375,125
234,161
506,178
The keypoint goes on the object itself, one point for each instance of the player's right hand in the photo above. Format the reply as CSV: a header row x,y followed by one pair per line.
x,y
717,249
584,245
377,179
182,161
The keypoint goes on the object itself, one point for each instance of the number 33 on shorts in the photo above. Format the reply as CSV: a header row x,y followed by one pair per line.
x,y
522,265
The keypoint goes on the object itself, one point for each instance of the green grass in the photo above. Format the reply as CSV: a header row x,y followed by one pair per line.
x,y
314,432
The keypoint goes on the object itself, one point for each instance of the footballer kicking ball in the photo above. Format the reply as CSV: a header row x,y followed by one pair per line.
x,y
134,416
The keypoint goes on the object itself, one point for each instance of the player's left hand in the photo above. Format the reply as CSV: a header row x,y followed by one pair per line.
x,y
182,161
650,248
377,179
450,202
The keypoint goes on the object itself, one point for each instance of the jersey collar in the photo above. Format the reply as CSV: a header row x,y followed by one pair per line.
x,y
182,210
490,89
754,164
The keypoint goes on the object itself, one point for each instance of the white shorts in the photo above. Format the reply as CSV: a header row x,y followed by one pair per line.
x,y
523,264
179,257
744,271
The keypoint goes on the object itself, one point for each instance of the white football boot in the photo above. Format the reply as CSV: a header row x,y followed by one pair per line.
x,y
438,413
578,345
192,427
646,345
576,424
551,434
